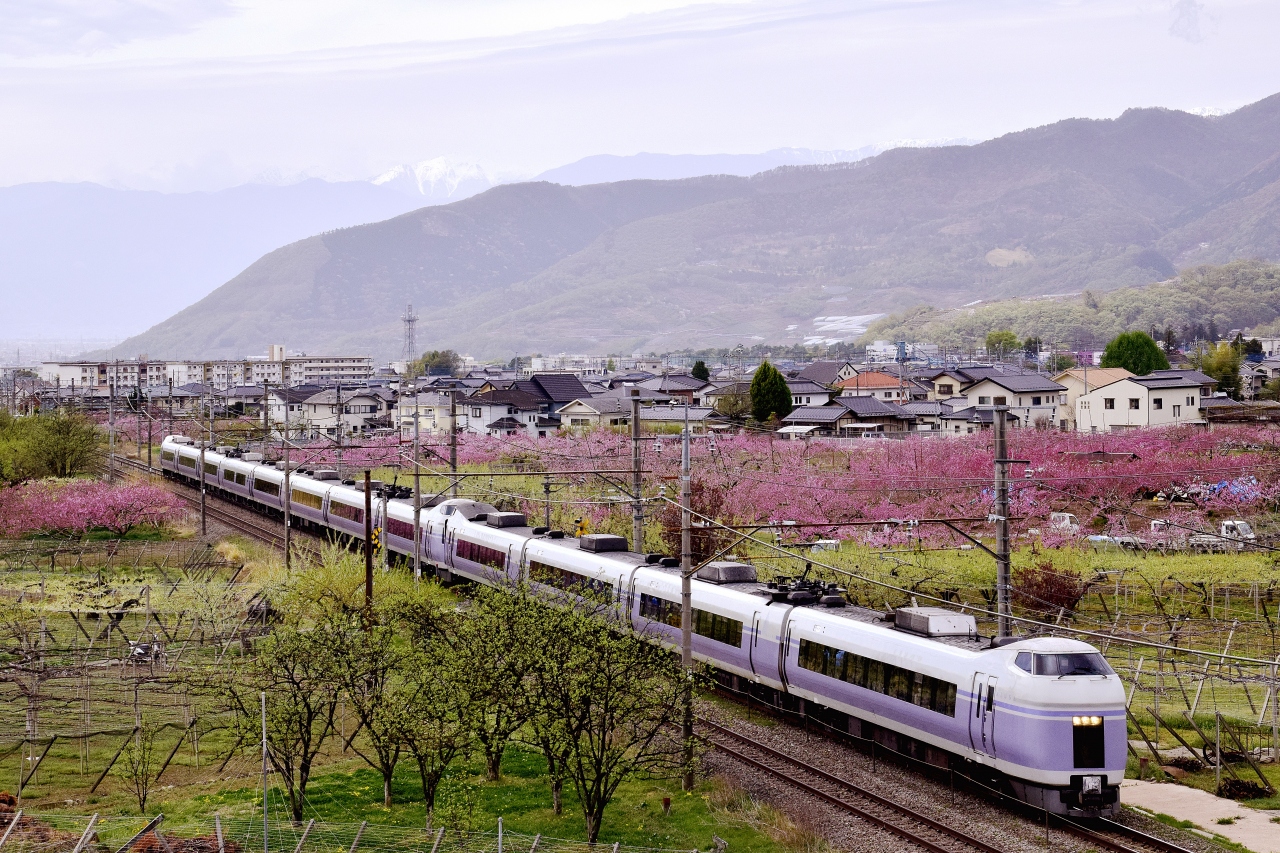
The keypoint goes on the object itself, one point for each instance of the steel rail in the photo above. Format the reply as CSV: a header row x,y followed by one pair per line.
x,y
892,826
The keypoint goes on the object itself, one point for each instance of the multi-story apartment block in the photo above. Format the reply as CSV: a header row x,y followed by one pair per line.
x,y
275,369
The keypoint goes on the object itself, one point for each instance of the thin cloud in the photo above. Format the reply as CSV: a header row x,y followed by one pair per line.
x,y
42,27
1189,21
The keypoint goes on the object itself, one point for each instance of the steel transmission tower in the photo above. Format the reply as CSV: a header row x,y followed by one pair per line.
x,y
410,321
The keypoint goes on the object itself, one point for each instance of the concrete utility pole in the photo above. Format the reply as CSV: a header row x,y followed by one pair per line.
x,y
686,599
204,522
417,493
453,442
111,431
368,543
138,402
1003,578
288,527
637,504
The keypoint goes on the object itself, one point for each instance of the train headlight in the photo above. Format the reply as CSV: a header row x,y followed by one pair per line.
x,y
1091,785
1086,721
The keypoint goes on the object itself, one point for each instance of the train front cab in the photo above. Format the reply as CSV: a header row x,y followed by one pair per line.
x,y
1061,733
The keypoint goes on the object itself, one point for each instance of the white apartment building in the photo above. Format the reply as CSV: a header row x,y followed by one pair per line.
x,y
1161,398
219,373
578,365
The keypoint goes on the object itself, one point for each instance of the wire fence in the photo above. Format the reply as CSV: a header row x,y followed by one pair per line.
x,y
60,833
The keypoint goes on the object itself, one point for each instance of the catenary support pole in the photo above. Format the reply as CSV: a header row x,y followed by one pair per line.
x,y
111,431
204,522
686,600
1003,580
417,491
637,503
285,500
368,543
453,442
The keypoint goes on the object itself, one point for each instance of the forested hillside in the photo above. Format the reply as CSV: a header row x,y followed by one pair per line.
x,y
1203,302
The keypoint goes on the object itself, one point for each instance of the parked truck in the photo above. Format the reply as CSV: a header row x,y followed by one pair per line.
x,y
1232,535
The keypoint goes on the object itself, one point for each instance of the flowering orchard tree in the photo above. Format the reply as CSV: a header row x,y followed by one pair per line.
x,y
79,506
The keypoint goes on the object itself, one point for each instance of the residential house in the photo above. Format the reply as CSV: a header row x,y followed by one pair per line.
x,y
945,384
596,412
431,409
1078,381
882,386
348,411
827,373
813,421
506,412
290,400
1161,398
928,414
648,397
553,390
873,415
1034,398
672,419
965,421
681,386
806,393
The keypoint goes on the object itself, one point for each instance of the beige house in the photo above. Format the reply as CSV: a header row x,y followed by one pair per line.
x,y
1161,398
595,412
1078,381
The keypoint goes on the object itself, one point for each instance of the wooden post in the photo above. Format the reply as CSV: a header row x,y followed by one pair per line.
x,y
113,760
305,833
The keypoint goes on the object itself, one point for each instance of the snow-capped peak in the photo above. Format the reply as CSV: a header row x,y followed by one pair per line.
x,y
437,178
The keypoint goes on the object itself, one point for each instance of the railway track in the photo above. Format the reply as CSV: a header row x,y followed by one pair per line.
x,y
253,527
900,819
896,818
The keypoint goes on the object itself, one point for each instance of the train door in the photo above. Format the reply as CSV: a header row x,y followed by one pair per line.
x,y
753,640
982,722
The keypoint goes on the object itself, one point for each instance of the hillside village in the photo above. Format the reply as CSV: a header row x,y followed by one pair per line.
x,y
889,393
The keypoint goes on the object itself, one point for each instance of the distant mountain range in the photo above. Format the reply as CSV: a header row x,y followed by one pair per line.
x,y
117,261
785,255
606,168
782,256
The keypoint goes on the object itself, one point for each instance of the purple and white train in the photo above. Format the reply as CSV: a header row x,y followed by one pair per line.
x,y
1044,716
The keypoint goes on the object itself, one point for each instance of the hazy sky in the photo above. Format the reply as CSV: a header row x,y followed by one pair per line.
x,y
202,94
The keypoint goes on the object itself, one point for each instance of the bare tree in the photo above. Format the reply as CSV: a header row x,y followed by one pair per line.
x,y
138,764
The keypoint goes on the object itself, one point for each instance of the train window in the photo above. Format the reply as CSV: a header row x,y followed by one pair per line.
x,y
229,475
480,554
266,487
549,575
713,626
1073,663
1023,661
448,510
347,511
241,479
187,461
991,697
305,499
211,468
403,529
166,455
925,691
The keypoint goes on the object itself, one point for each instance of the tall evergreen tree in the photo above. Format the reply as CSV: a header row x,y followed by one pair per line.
x,y
1136,352
700,370
770,395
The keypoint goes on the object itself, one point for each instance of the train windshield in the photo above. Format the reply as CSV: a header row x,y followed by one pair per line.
x,y
1074,663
